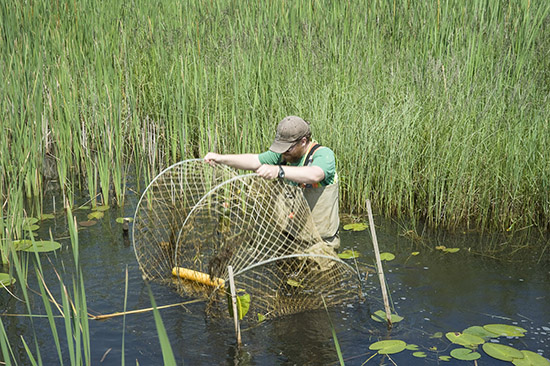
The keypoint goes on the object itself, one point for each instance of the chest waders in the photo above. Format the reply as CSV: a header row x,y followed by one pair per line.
x,y
323,203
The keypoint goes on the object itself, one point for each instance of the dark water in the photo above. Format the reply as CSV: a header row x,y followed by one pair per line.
x,y
433,291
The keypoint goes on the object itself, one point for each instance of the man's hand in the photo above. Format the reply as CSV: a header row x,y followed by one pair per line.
x,y
268,171
212,158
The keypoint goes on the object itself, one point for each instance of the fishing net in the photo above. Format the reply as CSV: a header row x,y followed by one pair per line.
x,y
194,220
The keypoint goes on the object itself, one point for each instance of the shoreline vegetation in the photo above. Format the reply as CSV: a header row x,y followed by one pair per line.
x,y
437,111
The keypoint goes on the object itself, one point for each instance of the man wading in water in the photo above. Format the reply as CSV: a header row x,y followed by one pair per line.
x,y
295,157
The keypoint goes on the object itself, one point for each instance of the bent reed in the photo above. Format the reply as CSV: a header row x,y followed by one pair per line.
x,y
436,110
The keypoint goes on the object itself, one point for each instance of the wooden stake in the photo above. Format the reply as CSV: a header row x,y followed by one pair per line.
x,y
234,301
379,266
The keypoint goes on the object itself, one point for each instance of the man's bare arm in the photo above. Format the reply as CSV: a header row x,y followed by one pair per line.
x,y
237,161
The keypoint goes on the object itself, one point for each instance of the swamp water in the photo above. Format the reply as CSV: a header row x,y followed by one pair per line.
x,y
436,292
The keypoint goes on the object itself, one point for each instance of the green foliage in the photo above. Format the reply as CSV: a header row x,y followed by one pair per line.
x,y
387,256
349,254
380,316
464,339
502,352
505,330
388,347
6,280
531,359
356,226
465,354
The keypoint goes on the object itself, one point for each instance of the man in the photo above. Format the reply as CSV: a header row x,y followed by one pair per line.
x,y
295,157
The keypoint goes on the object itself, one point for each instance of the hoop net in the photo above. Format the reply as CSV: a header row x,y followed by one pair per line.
x,y
195,220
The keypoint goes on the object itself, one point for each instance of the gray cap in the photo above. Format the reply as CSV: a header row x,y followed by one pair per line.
x,y
289,131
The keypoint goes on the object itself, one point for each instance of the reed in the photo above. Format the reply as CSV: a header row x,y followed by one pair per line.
x,y
436,110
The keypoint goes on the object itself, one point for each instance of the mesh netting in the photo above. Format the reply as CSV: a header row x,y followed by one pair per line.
x,y
194,220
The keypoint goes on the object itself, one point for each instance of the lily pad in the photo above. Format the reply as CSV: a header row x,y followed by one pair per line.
x,y
293,283
502,352
47,216
387,256
505,330
380,316
480,332
451,250
349,254
437,335
95,215
531,359
415,253
445,358
465,354
419,354
101,208
43,246
412,347
122,220
464,339
388,347
356,226
6,279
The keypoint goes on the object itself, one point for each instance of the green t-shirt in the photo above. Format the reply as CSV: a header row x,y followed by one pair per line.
x,y
323,157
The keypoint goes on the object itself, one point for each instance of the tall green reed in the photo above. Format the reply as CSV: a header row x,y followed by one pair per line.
x,y
436,111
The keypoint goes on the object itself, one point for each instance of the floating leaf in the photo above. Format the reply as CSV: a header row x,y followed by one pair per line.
x,y
388,347
465,354
412,347
85,207
380,316
28,221
445,358
95,215
441,247
87,223
531,359
294,283
502,352
122,220
437,335
43,246
464,339
480,332
419,354
356,226
505,330
101,208
415,253
6,279
47,216
451,250
349,254
387,256
22,244
33,227
261,317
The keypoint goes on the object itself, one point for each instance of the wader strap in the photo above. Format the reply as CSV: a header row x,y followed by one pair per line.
x,y
309,157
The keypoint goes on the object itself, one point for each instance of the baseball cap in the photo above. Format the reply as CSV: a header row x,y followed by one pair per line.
x,y
289,131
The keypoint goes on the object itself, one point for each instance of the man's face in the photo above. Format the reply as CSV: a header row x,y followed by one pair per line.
x,y
295,152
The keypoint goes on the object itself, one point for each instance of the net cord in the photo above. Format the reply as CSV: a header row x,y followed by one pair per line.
x,y
143,197
306,255
197,205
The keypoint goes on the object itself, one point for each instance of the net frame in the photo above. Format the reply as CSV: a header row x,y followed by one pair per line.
x,y
223,219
